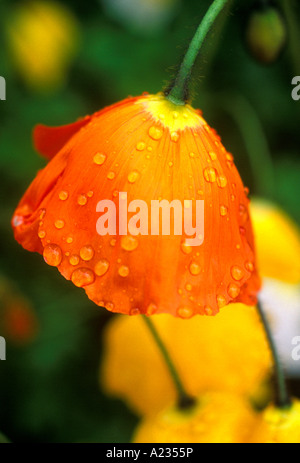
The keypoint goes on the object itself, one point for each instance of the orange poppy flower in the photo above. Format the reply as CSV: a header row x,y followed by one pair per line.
x,y
150,149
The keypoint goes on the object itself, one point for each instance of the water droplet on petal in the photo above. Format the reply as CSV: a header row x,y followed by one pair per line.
x,y
52,255
212,155
175,136
152,309
101,267
155,133
129,243
221,301
69,240
210,174
90,194
195,268
99,159
222,181
83,277
233,290
110,306
192,155
133,176
135,311
186,249
82,200
59,224
237,273
188,287
249,266
123,271
141,146
18,220
185,312
223,210
208,311
74,260
87,253
41,234
63,195
243,213
111,175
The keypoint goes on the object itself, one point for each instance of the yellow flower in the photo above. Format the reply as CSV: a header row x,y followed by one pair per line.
x,y
278,426
42,37
227,352
277,242
216,418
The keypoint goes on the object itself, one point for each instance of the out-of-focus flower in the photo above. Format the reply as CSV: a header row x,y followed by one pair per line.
x,y
18,322
227,353
42,38
277,240
266,32
144,148
278,426
217,418
142,15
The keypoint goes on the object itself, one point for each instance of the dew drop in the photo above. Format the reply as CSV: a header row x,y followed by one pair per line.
x,y
101,267
192,155
59,224
155,133
208,310
222,181
110,306
141,146
123,271
152,309
243,213
83,277
87,253
188,287
233,290
52,255
185,312
195,268
133,176
223,211
249,266
63,195
99,159
175,136
129,243
69,240
212,155
135,311
186,249
210,174
74,260
113,242
237,273
111,175
171,164
82,200
90,194
221,301
42,234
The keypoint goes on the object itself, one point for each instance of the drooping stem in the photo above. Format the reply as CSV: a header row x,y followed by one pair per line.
x,y
184,399
178,93
283,399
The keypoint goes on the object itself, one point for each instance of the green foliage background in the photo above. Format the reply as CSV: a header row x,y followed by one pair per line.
x,y
49,390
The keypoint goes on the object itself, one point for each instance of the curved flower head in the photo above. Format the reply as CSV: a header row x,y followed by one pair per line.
x,y
145,148
278,426
227,353
217,418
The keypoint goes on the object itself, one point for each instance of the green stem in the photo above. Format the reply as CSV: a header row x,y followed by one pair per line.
x,y
178,91
184,399
283,399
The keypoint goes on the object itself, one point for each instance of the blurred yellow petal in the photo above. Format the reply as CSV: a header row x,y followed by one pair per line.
x,y
277,242
227,352
42,38
217,418
277,426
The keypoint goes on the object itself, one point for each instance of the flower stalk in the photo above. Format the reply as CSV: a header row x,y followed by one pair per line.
x,y
283,399
185,401
178,92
